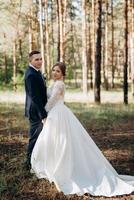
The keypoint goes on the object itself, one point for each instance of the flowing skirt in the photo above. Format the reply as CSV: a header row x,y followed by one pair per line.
x,y
66,155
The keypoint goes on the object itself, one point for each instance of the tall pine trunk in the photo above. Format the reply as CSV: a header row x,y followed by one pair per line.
x,y
44,69
30,31
89,45
60,13
112,56
74,59
106,47
98,55
93,37
47,40
5,58
89,57
132,47
14,65
32,40
84,49
52,34
126,55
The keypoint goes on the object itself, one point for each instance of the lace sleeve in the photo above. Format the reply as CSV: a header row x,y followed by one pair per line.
x,y
57,92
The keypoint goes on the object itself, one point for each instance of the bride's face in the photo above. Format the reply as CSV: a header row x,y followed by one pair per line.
x,y
57,73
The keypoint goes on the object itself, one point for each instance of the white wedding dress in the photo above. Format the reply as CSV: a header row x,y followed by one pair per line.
x,y
66,155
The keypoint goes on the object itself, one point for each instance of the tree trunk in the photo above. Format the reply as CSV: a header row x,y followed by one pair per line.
x,y
98,55
74,59
47,40
30,30
14,65
93,37
112,56
89,45
84,48
126,55
58,22
20,48
52,33
132,47
5,58
44,70
64,26
78,46
118,60
60,10
30,36
106,47
89,58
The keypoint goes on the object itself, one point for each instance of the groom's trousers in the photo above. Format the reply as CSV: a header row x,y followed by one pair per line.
x,y
35,129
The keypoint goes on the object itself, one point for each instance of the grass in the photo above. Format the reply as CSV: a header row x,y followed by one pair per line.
x,y
105,116
111,127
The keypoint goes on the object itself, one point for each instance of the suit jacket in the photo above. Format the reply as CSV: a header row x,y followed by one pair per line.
x,y
36,95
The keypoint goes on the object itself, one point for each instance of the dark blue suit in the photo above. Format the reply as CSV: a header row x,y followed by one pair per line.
x,y
36,99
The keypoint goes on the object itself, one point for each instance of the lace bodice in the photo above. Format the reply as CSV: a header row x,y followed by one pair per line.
x,y
55,94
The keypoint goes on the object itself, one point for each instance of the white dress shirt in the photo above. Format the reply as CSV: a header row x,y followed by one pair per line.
x,y
33,67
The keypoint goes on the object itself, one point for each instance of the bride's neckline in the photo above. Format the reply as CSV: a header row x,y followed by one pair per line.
x,y
58,80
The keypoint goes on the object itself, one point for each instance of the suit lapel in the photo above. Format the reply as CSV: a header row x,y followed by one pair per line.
x,y
39,74
42,77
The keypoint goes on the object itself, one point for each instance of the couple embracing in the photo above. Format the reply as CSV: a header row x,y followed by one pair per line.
x,y
60,149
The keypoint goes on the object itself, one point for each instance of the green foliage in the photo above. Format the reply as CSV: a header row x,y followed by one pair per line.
x,y
69,73
5,77
15,17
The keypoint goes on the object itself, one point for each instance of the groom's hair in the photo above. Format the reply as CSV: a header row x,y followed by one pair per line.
x,y
33,52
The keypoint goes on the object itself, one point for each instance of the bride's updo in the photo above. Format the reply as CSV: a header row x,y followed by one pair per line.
x,y
62,67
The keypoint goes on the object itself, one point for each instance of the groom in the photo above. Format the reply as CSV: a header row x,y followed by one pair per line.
x,y
36,98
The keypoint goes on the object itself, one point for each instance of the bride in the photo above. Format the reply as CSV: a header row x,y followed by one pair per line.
x,y
66,155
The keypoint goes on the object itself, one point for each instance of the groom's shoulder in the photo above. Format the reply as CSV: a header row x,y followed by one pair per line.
x,y
29,71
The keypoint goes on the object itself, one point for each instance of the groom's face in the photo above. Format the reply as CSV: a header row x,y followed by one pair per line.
x,y
36,60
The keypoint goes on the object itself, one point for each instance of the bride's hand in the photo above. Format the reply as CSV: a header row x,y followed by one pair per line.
x,y
44,120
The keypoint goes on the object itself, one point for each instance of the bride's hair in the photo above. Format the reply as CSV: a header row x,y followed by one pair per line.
x,y
62,67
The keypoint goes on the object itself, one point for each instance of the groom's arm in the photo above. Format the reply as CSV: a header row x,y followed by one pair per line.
x,y
33,91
